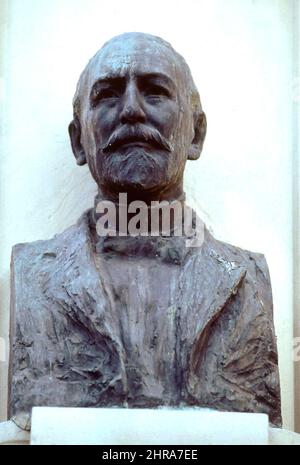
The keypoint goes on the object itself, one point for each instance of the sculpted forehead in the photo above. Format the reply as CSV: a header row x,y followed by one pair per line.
x,y
133,54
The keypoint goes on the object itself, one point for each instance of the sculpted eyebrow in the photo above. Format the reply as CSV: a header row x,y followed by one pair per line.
x,y
157,77
107,80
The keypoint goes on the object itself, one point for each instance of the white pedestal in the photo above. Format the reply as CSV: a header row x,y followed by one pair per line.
x,y
146,427
116,426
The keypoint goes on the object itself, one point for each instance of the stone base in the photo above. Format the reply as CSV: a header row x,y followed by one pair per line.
x,y
115,426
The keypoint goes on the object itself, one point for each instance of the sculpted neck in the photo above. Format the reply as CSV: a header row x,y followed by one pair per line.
x,y
170,193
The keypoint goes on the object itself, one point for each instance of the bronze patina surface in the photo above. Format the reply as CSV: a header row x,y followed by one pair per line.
x,y
139,321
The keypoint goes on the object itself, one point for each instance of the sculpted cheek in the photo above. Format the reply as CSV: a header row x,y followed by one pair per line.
x,y
167,119
104,123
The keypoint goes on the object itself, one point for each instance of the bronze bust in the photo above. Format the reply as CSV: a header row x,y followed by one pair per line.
x,y
139,320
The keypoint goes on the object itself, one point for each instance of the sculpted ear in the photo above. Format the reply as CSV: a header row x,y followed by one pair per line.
x,y
199,135
75,136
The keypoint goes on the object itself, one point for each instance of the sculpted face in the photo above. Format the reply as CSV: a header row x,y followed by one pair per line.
x,y
136,127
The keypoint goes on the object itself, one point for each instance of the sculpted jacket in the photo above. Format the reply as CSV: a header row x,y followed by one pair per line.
x,y
140,322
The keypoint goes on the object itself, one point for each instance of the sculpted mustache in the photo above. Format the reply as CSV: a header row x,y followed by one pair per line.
x,y
140,134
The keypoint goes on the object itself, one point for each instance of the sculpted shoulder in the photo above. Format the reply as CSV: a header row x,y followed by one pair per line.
x,y
28,257
254,262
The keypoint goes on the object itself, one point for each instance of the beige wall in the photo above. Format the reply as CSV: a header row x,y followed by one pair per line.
x,y
241,56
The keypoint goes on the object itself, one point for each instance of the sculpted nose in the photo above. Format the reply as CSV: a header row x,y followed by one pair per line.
x,y
132,111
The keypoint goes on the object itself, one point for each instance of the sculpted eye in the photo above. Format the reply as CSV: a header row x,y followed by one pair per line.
x,y
156,91
99,95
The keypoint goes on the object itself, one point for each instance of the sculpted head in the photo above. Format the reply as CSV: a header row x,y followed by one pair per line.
x,y
137,117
